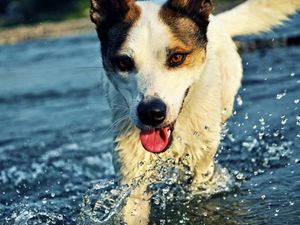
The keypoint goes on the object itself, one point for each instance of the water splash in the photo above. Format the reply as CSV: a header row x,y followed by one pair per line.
x,y
104,202
33,215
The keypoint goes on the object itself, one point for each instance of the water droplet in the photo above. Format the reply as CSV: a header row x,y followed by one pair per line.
x,y
239,100
44,201
162,221
270,69
240,176
276,133
291,203
283,120
261,135
296,101
231,137
292,74
298,120
280,95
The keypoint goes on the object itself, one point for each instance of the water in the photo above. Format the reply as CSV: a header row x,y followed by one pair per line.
x,y
55,158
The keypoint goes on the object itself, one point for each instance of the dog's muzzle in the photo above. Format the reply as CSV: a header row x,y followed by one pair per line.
x,y
152,112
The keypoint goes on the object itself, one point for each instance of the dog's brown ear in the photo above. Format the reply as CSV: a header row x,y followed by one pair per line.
x,y
197,9
104,12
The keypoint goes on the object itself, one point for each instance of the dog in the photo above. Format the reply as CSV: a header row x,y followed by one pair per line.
x,y
172,74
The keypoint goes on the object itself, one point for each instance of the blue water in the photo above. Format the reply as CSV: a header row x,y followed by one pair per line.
x,y
55,142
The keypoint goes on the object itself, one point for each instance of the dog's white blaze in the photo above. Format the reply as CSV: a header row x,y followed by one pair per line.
x,y
147,44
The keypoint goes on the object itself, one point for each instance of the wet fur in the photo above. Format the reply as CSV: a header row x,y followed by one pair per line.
x,y
212,76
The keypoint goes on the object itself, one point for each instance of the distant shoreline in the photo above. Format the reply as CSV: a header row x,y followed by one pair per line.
x,y
45,30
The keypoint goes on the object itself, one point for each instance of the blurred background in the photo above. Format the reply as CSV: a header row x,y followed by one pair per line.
x,y
15,12
30,19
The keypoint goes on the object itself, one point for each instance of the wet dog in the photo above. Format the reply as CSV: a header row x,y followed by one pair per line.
x,y
172,73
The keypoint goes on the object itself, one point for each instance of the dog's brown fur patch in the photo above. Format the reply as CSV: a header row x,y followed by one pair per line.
x,y
134,11
186,35
188,25
113,19
106,13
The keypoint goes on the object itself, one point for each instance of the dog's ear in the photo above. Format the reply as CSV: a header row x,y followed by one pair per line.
x,y
106,13
193,8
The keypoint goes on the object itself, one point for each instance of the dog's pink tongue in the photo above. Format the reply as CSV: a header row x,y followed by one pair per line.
x,y
155,141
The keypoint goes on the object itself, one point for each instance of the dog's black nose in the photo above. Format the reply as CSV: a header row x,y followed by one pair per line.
x,y
152,111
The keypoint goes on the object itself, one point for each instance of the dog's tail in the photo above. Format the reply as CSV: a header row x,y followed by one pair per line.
x,y
254,16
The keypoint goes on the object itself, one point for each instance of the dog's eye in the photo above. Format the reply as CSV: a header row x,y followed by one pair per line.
x,y
176,59
124,63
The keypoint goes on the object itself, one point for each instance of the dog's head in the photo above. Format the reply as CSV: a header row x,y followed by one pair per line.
x,y
152,54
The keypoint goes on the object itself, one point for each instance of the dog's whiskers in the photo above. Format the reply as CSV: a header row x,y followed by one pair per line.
x,y
116,123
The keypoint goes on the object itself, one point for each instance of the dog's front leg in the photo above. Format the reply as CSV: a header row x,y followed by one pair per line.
x,y
137,209
202,176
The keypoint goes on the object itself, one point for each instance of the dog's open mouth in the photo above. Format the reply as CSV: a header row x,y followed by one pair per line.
x,y
157,140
